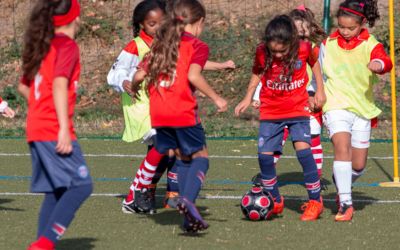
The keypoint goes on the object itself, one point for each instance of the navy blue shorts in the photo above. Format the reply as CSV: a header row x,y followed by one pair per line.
x,y
51,170
188,140
271,134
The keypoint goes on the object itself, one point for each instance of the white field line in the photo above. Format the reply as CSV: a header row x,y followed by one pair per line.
x,y
211,156
219,197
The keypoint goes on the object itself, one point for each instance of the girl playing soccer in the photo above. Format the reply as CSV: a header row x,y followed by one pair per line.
x,y
147,17
281,66
173,72
51,73
5,110
350,60
308,30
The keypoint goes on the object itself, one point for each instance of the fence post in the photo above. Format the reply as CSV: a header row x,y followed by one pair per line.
x,y
327,10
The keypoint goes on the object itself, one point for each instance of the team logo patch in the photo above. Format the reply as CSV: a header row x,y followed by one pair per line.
x,y
261,142
83,171
298,65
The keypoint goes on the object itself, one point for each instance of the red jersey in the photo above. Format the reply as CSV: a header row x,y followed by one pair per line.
x,y
62,60
176,105
280,98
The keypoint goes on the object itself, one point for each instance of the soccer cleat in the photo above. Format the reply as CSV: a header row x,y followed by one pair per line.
x,y
144,202
345,213
129,207
192,215
152,197
312,210
171,199
278,206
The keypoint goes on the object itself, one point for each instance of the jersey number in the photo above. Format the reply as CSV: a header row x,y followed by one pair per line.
x,y
38,81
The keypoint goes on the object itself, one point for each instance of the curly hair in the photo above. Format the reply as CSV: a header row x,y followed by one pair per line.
x,y
282,29
317,34
39,34
164,52
367,8
141,10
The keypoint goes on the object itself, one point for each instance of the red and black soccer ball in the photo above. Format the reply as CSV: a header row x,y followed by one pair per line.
x,y
257,204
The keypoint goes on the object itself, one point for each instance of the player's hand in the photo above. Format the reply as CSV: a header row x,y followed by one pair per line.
x,y
375,67
221,104
9,113
256,104
64,144
311,103
127,86
242,106
229,64
319,99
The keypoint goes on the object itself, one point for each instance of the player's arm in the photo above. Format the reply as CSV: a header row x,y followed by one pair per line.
x,y
245,103
380,62
320,97
137,81
120,75
197,80
60,96
211,65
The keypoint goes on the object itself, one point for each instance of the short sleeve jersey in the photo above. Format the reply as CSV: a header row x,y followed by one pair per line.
x,y
62,60
283,98
176,105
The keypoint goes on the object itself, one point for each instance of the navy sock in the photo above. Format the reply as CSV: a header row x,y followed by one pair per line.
x,y
48,205
64,211
161,168
310,172
268,175
182,169
172,177
195,178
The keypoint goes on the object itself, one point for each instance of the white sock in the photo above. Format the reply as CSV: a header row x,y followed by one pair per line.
x,y
356,174
342,171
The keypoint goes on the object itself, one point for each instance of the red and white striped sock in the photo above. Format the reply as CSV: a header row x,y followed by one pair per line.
x,y
318,154
131,195
148,168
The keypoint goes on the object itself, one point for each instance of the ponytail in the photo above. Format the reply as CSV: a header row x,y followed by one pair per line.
x,y
165,49
361,10
40,32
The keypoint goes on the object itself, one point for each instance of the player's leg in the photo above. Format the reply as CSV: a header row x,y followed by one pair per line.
x,y
339,123
360,141
72,185
301,137
192,146
316,146
269,142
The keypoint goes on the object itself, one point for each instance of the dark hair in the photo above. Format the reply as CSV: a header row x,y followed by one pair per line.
x,y
317,34
282,29
367,8
165,49
39,33
141,10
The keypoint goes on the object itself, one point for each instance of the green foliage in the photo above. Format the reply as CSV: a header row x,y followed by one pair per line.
x,y
106,29
13,98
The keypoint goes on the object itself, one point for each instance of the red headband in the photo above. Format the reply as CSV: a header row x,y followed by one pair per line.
x,y
352,11
71,15
302,8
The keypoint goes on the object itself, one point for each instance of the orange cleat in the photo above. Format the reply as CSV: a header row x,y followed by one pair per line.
x,y
312,209
171,200
345,213
278,206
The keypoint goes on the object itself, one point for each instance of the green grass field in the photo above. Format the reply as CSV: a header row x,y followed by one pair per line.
x,y
100,224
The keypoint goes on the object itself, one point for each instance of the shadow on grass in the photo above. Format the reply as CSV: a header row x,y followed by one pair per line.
x,y
5,201
388,175
76,243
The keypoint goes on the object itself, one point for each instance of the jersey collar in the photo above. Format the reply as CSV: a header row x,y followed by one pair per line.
x,y
146,38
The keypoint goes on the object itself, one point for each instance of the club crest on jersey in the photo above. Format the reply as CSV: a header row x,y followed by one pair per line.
x,y
83,171
298,65
261,142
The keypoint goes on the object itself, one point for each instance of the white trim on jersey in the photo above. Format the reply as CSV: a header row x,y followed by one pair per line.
x,y
124,68
256,96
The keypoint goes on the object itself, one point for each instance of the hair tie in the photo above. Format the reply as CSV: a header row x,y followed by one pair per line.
x,y
71,15
352,11
362,5
302,8
179,18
